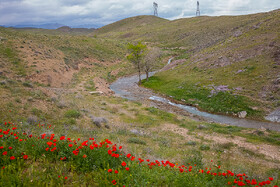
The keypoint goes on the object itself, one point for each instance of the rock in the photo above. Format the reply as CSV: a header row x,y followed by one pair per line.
x,y
201,126
98,121
274,116
3,82
135,131
242,114
237,33
96,92
61,104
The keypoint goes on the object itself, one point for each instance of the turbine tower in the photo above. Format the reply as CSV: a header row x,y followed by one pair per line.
x,y
155,9
197,9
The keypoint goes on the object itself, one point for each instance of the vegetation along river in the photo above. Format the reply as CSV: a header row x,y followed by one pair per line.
x,y
128,88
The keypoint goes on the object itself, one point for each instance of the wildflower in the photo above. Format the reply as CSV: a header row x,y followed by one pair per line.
x,y
1,147
114,182
109,151
10,148
50,144
127,169
116,172
47,149
128,155
110,170
270,178
123,163
4,153
65,178
53,149
70,145
62,137
12,157
25,157
181,170
120,147
84,156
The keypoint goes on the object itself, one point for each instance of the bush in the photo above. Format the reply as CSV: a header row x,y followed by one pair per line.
x,y
136,141
72,114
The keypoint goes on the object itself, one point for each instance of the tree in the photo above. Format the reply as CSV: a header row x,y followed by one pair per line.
x,y
150,60
136,56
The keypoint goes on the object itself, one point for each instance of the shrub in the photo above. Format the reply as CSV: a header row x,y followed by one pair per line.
x,y
72,114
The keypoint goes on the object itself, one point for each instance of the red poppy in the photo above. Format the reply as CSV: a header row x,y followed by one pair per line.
x,y
70,145
84,156
110,170
49,143
114,182
65,178
12,157
126,168
123,163
116,172
10,148
47,149
270,178
1,147
181,170
25,157
62,137
5,153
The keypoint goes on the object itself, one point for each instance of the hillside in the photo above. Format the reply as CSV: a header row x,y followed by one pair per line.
x,y
240,53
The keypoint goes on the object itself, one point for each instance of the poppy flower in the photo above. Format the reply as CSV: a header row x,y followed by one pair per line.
x,y
114,182
12,157
127,169
62,137
110,170
123,163
1,147
65,178
84,156
25,157
70,145
10,148
4,153
270,178
116,172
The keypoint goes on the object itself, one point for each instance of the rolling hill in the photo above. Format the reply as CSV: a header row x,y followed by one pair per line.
x,y
240,53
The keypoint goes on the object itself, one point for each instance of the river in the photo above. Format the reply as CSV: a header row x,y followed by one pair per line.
x,y
128,88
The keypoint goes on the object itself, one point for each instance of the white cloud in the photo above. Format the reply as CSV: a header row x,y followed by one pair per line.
x,y
73,12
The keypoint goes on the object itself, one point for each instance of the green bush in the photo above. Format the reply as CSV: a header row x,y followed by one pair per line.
x,y
72,114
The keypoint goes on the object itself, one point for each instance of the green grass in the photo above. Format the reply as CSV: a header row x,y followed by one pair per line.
x,y
223,102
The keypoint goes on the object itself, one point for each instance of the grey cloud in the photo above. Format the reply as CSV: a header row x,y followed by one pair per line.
x,y
79,12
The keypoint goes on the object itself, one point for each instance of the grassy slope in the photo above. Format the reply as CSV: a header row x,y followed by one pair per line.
x,y
213,50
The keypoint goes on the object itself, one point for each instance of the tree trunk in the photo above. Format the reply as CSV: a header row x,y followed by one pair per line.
x,y
139,73
147,76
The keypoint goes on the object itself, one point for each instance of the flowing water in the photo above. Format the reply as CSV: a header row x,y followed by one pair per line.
x,y
128,88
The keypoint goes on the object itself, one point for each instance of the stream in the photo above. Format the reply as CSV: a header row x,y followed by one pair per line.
x,y
128,88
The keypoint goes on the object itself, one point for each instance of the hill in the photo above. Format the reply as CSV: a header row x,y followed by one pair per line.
x,y
238,52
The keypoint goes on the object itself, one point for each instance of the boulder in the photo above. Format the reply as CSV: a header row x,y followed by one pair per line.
x,y
242,114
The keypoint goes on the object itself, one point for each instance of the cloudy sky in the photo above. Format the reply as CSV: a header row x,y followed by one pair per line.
x,y
102,12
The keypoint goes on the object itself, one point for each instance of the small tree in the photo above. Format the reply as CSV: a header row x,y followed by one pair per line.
x,y
150,60
136,56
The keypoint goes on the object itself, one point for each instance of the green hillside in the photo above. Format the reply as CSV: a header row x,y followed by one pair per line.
x,y
239,52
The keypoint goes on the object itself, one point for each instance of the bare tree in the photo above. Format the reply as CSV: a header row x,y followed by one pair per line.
x,y
150,60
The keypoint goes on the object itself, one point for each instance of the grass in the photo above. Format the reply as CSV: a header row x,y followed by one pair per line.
x,y
223,102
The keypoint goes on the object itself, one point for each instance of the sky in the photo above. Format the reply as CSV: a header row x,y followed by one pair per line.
x,y
103,12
